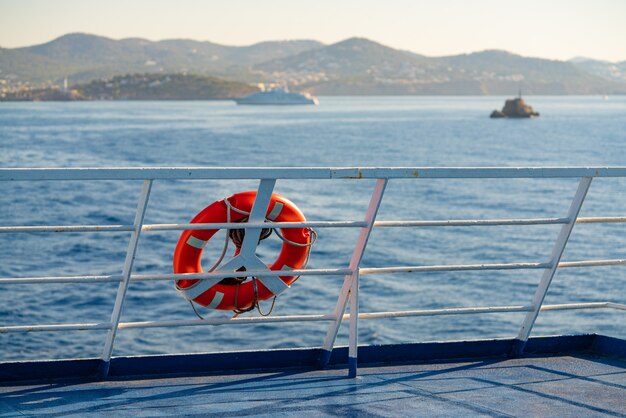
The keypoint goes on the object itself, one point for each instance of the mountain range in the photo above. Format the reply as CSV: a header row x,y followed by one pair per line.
x,y
352,66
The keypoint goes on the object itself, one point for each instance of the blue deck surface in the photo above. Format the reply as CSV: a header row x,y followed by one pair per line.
x,y
588,381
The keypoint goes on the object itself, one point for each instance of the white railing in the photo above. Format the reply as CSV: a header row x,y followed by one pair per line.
x,y
349,292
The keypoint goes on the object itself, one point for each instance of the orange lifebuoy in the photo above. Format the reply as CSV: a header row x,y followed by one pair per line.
x,y
240,296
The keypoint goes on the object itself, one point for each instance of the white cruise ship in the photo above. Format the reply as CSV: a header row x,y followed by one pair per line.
x,y
277,96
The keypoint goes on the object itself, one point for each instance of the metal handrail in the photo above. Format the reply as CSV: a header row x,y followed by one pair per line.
x,y
309,224
312,173
309,318
176,276
363,271
349,291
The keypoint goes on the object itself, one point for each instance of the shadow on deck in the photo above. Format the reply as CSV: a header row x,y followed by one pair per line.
x,y
580,376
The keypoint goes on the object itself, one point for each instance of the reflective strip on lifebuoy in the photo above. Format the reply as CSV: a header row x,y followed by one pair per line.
x,y
217,299
278,207
215,294
195,242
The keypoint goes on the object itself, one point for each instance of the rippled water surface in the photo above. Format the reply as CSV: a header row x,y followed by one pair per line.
x,y
407,131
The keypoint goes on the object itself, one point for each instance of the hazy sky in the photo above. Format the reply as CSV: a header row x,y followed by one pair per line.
x,y
558,29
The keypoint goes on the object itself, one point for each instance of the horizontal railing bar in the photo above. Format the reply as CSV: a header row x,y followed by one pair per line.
x,y
225,173
312,224
174,276
163,173
55,327
583,305
248,273
600,219
472,222
234,225
306,318
180,227
592,263
506,266
66,228
60,279
488,309
479,172
307,272
436,312
222,321
453,267
495,222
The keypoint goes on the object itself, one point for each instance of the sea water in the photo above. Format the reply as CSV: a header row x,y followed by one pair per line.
x,y
340,132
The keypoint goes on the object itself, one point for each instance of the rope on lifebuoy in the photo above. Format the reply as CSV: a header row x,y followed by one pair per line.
x,y
281,236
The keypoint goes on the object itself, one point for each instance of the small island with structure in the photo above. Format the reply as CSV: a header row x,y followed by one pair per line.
x,y
515,108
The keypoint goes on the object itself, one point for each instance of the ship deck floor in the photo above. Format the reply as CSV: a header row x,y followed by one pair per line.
x,y
561,385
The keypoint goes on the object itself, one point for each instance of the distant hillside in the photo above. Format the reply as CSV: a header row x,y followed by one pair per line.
x,y
350,67
360,66
499,72
142,87
83,57
355,57
613,71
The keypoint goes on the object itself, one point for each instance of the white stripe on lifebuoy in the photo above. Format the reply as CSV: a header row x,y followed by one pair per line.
x,y
198,288
278,207
216,300
196,242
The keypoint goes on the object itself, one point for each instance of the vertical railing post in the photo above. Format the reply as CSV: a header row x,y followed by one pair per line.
x,y
257,214
557,251
353,340
123,286
349,283
247,256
